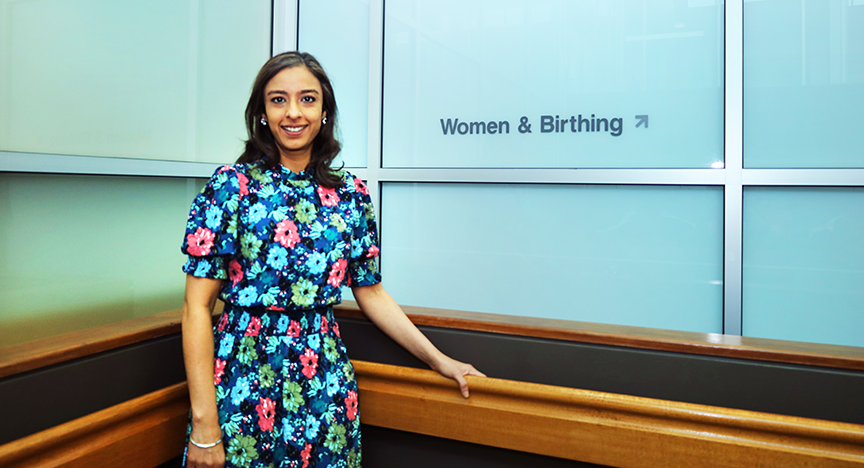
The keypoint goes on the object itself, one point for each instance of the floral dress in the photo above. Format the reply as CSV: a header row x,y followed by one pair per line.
x,y
284,245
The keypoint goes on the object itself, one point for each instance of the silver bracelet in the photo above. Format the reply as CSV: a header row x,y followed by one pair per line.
x,y
204,446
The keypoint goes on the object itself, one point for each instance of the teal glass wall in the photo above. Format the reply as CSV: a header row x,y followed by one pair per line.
x,y
336,32
81,251
634,255
652,71
804,264
148,79
803,84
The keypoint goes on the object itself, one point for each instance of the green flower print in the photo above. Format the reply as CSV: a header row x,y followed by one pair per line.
x,y
250,245
266,376
306,212
241,451
292,396
304,292
335,438
348,370
330,349
232,226
369,211
353,459
247,354
260,176
337,222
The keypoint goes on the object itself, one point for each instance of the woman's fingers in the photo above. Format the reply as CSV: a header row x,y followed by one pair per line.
x,y
463,384
457,370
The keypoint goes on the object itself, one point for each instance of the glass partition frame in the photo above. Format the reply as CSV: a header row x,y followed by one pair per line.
x,y
733,177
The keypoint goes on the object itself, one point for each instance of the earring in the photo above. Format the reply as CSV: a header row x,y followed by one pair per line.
x,y
263,121
324,121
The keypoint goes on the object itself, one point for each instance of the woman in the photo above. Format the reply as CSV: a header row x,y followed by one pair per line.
x,y
275,236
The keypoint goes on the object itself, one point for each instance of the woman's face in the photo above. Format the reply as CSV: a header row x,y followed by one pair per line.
x,y
293,104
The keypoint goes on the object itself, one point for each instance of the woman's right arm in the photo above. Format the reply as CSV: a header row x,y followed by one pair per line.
x,y
198,303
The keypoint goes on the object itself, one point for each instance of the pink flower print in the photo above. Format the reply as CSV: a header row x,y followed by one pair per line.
x,y
286,234
373,251
323,324
336,329
266,413
293,329
243,182
199,243
223,320
337,274
254,327
310,363
306,453
328,196
235,272
360,186
218,371
351,405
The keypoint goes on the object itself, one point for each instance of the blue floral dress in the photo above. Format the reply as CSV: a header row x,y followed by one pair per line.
x,y
284,245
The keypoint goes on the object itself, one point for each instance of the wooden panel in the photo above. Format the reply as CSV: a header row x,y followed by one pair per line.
x,y
602,428
708,344
595,427
140,433
33,355
53,350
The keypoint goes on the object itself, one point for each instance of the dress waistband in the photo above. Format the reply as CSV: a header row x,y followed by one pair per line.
x,y
252,321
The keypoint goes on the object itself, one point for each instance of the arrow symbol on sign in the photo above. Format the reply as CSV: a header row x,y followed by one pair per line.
x,y
643,119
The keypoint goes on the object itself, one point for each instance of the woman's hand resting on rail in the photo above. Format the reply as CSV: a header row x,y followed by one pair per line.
x,y
456,370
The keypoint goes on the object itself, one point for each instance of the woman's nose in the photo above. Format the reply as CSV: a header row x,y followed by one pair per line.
x,y
293,109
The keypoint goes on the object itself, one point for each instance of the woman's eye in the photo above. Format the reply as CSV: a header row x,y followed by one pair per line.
x,y
278,100
308,98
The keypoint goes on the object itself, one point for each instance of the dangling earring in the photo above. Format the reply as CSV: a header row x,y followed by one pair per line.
x,y
263,121
324,121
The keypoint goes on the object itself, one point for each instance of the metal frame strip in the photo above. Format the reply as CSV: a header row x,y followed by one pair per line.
x,y
733,160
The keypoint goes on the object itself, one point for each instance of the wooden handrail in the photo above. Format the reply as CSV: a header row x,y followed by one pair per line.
x,y
139,433
595,427
36,354
708,344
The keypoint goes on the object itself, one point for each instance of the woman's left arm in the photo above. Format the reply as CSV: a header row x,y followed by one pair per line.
x,y
386,314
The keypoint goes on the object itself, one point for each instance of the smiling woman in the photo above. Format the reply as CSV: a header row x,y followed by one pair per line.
x,y
275,237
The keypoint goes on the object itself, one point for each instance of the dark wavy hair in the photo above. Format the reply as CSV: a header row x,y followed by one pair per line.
x,y
261,146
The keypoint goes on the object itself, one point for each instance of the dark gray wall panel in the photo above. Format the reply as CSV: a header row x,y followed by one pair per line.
x,y
43,398
390,448
805,391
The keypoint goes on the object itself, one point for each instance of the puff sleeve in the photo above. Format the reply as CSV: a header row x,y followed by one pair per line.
x,y
363,263
211,229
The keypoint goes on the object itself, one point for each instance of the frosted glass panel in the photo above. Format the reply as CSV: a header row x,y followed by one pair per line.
x,y
155,79
642,256
81,251
803,83
804,264
336,32
553,83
